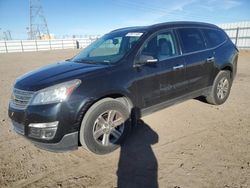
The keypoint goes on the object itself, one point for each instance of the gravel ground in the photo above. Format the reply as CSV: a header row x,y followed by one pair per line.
x,y
192,144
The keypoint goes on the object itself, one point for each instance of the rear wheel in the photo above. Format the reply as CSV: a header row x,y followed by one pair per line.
x,y
220,89
105,126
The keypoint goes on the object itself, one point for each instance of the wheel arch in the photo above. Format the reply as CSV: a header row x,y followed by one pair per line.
x,y
121,97
114,95
229,68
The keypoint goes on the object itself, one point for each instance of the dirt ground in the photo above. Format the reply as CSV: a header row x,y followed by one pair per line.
x,y
189,145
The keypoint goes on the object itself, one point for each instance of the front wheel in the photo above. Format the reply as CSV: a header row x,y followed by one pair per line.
x,y
105,126
220,89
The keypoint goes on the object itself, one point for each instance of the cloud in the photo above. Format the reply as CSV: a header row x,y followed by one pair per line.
x,y
165,10
228,4
179,6
222,5
177,10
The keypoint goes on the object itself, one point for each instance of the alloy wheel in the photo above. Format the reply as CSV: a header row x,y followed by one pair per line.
x,y
223,88
108,127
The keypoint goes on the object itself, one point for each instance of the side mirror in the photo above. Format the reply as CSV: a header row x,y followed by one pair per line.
x,y
115,41
146,59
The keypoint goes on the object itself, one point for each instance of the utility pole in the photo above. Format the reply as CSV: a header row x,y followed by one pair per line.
x,y
38,24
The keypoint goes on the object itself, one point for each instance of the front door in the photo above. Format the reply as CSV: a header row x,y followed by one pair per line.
x,y
173,69
165,78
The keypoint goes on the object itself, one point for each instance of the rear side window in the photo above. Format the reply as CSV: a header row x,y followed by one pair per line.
x,y
214,37
192,40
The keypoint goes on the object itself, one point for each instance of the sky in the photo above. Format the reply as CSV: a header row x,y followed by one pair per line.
x,y
97,17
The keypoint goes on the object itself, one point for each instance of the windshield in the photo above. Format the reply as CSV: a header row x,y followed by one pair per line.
x,y
109,49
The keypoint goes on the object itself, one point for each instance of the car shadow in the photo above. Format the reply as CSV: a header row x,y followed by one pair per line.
x,y
201,99
138,165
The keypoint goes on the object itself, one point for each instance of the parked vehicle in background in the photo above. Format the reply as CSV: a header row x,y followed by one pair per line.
x,y
94,97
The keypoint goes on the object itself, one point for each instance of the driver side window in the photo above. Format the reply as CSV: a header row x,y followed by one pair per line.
x,y
161,46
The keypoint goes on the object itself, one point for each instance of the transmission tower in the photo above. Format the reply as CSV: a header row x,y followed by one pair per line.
x,y
7,35
38,23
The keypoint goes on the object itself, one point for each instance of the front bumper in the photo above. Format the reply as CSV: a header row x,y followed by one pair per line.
x,y
67,116
68,142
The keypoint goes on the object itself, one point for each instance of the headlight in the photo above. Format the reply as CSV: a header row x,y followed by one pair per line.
x,y
56,93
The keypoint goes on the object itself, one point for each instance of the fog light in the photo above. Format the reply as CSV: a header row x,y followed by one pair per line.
x,y
45,131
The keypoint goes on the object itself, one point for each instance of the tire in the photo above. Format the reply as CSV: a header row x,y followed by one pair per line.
x,y
105,126
220,89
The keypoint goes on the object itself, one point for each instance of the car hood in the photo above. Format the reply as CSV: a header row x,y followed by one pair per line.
x,y
55,73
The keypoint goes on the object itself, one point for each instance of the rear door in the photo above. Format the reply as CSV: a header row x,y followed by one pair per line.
x,y
214,38
199,59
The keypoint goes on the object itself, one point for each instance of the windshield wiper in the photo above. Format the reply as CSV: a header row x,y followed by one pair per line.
x,y
88,61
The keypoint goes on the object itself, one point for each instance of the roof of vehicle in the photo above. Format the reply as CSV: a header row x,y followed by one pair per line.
x,y
165,25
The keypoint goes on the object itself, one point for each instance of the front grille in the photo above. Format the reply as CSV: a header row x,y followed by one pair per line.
x,y
20,98
19,128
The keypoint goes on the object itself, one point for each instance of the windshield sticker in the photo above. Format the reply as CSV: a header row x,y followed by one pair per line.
x,y
134,34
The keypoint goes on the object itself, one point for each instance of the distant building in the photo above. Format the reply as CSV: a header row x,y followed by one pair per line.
x,y
47,37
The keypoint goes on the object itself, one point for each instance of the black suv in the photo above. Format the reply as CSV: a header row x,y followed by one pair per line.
x,y
93,98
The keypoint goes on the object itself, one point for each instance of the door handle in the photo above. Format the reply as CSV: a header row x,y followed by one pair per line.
x,y
210,59
178,67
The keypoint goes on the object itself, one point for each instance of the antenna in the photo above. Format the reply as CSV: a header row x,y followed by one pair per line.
x,y
38,24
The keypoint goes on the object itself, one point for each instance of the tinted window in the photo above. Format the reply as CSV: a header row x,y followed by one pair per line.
x,y
214,37
161,46
192,39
